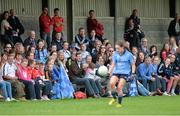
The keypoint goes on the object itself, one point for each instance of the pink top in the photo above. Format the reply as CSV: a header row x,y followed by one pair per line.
x,y
22,73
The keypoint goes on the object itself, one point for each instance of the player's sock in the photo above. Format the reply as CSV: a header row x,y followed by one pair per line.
x,y
114,94
120,99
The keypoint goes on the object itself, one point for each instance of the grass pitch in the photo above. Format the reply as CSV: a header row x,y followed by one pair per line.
x,y
156,105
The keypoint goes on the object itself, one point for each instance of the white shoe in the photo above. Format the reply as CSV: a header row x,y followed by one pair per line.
x,y
173,94
8,99
165,94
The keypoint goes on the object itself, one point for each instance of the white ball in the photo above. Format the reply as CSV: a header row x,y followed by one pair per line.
x,y
103,71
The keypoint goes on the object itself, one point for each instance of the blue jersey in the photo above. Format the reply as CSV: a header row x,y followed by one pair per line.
x,y
123,63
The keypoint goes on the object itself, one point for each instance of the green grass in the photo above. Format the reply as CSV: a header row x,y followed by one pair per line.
x,y
163,105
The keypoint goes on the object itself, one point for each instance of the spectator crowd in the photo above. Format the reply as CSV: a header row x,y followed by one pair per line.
x,y
50,67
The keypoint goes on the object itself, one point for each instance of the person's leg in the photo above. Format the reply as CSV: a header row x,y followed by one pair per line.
x,y
47,88
30,89
18,89
99,86
48,40
176,79
93,84
152,86
38,88
121,84
142,90
163,84
113,81
85,81
169,85
4,90
9,89
144,82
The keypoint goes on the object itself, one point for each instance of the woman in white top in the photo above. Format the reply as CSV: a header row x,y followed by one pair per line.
x,y
6,29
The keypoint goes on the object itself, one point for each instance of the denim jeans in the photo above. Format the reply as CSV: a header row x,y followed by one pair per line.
x,y
6,89
46,37
142,90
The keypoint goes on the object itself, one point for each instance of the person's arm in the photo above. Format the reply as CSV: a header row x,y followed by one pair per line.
x,y
142,72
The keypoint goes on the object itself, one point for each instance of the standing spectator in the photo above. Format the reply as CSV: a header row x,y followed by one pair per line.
x,y
17,27
58,41
9,73
174,28
57,22
81,38
30,41
44,24
133,35
94,24
41,52
6,29
135,18
153,51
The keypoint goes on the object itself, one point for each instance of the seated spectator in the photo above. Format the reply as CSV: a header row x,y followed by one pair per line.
x,y
144,46
173,29
31,49
165,51
100,62
110,52
153,51
19,48
81,38
7,47
84,53
62,87
94,24
71,59
30,41
67,53
76,77
30,56
95,50
6,29
102,52
134,51
4,57
41,52
25,78
58,41
165,70
17,27
172,44
53,55
5,86
175,71
92,39
140,58
144,73
58,23
9,74
18,59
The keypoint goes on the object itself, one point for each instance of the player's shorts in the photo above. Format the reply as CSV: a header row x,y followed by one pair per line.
x,y
124,76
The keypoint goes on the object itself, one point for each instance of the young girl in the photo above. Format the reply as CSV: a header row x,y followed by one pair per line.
x,y
41,52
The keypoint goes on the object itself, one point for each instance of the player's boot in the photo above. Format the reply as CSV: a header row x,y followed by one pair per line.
x,y
118,105
112,101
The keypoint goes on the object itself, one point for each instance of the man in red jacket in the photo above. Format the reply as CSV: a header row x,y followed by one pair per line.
x,y
57,22
44,24
93,24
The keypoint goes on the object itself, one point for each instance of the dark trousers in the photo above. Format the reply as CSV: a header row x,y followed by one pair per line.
x,y
89,84
30,90
161,84
145,83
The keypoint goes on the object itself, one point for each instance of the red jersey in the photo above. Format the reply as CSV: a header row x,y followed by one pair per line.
x,y
45,23
57,22
33,72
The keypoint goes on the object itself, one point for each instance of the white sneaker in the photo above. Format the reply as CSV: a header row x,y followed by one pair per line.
x,y
12,99
8,99
173,94
165,94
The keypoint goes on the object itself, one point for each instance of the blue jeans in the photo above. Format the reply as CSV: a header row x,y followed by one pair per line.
x,y
6,89
46,37
142,90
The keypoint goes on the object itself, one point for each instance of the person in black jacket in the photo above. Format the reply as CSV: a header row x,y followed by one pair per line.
x,y
174,28
17,27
